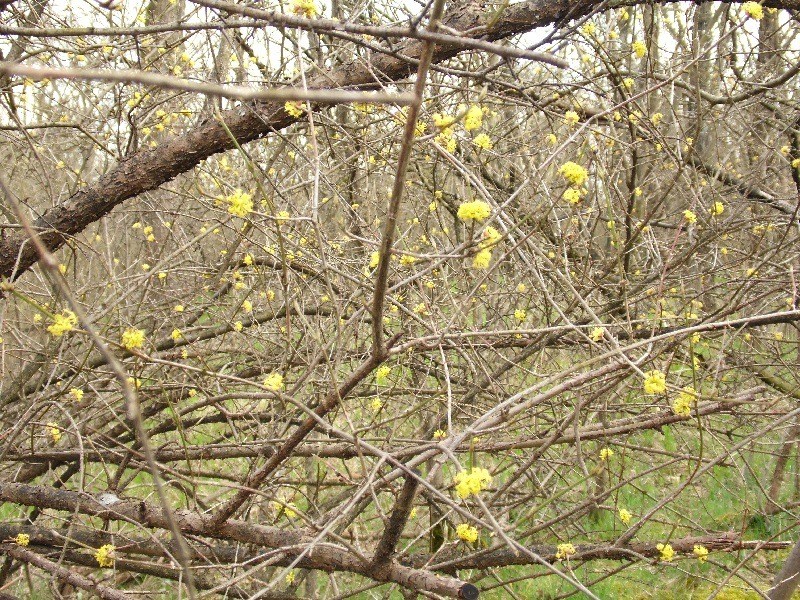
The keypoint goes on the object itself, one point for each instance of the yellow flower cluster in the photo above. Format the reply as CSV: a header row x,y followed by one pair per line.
x,y
655,382
286,508
274,382
483,141
484,256
574,173
132,338
294,108
22,539
625,516
639,48
63,323
565,551
472,482
667,553
466,532
682,405
382,372
55,432
77,394
445,137
240,204
477,210
474,118
104,555
443,121
606,453
571,118
572,195
304,8
753,10
689,217
597,334
717,209
701,552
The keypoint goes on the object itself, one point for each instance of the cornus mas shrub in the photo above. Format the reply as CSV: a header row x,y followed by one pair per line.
x,y
332,300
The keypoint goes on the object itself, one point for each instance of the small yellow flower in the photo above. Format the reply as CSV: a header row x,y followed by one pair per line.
x,y
247,306
132,338
624,516
717,209
444,122
520,314
655,382
286,508
240,204
574,173
376,404
483,141
689,217
571,118
176,334
439,434
572,195
565,551
474,118
656,118
22,539
701,552
382,372
77,394
55,432
294,108
606,453
522,288
467,533
290,577
682,405
667,553
639,48
477,210
105,555
304,8
753,10
597,334
63,323
472,482
274,382
178,308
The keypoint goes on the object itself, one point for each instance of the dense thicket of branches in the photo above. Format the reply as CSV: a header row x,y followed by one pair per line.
x,y
358,299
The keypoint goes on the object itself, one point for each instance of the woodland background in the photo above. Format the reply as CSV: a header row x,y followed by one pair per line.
x,y
405,299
